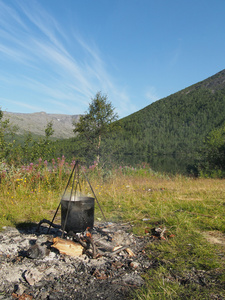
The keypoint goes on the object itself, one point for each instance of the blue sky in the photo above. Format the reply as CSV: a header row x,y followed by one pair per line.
x,y
55,55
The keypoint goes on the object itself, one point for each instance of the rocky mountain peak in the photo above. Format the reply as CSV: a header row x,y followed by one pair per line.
x,y
37,122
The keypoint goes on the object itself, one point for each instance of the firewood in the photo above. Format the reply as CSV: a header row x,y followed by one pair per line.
x,y
116,248
107,247
130,252
47,222
104,245
67,247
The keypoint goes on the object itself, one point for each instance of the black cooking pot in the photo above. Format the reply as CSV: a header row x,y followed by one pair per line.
x,y
80,214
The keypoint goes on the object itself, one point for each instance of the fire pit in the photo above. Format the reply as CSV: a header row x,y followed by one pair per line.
x,y
30,266
61,261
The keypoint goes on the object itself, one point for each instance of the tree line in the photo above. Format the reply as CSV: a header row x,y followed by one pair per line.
x,y
186,123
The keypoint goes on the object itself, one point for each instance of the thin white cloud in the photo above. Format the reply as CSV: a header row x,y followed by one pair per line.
x,y
175,55
46,65
43,21
17,103
9,18
125,107
151,94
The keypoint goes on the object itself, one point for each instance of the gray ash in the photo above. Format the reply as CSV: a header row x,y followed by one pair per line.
x,y
32,269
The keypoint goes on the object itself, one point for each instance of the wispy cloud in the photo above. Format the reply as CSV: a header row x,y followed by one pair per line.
x,y
151,94
38,57
18,103
175,54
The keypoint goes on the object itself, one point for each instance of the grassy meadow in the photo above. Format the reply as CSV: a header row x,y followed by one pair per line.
x,y
188,263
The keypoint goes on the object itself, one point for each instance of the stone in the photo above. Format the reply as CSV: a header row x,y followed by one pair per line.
x,y
19,289
133,279
33,276
134,265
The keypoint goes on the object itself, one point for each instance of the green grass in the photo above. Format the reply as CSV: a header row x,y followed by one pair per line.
x,y
185,265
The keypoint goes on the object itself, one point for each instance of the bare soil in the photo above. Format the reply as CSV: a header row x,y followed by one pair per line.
x,y
215,237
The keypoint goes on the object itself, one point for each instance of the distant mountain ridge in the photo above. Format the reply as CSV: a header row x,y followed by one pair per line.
x,y
36,123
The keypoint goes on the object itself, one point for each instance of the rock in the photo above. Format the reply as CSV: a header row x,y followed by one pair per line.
x,y
40,249
134,265
37,251
19,289
33,276
133,279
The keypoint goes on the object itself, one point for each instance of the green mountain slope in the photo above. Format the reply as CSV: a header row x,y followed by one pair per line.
x,y
178,123
167,134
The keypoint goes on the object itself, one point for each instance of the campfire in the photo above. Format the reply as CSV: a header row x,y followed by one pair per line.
x,y
76,259
77,222
42,265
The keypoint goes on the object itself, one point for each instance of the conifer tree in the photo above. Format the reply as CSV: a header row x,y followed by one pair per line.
x,y
96,123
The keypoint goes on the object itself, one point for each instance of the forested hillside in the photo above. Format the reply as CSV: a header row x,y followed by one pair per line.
x,y
178,123
176,126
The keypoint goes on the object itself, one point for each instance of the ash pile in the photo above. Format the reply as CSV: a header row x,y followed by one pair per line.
x,y
106,262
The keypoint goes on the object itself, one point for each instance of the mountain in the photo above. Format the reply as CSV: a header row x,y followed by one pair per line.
x,y
213,83
36,123
172,129
176,124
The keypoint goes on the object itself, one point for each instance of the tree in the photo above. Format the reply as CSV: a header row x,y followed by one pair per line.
x,y
96,123
7,133
43,147
3,127
213,157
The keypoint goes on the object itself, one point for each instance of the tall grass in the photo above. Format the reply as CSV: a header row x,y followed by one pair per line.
x,y
185,265
30,193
